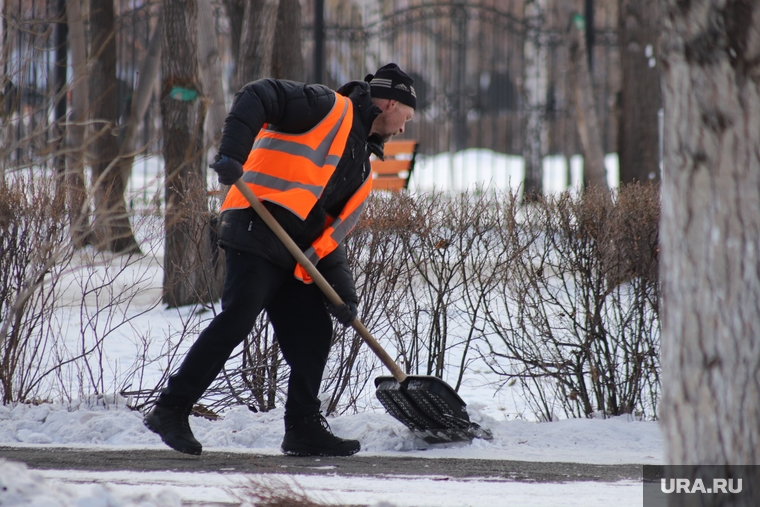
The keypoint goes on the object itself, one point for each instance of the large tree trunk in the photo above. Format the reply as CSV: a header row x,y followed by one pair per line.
x,y
710,235
287,60
594,173
211,73
535,88
60,101
111,225
76,132
257,41
236,13
270,42
638,139
140,102
188,259
210,65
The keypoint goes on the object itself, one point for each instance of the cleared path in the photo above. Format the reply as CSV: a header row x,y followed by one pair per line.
x,y
62,458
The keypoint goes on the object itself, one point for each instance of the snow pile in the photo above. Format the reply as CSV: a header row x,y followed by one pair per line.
x,y
22,487
599,441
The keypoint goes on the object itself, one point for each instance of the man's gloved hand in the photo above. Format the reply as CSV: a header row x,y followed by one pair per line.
x,y
345,313
228,169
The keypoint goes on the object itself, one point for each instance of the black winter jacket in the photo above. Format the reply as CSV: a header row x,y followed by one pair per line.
x,y
296,108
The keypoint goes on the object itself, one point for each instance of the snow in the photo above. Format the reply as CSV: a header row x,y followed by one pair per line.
x,y
601,441
175,488
480,169
112,426
20,486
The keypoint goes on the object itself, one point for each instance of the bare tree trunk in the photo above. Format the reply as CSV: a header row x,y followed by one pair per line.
x,y
211,73
188,260
535,88
5,51
60,100
287,60
76,133
210,65
594,174
236,13
638,139
140,102
257,41
710,233
111,225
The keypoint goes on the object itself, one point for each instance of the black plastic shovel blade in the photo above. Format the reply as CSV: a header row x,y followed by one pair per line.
x,y
430,408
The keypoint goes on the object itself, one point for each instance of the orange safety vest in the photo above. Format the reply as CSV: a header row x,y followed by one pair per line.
x,y
292,170
336,231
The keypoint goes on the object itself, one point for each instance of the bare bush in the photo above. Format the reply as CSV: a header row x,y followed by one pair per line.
x,y
577,317
96,300
255,376
561,296
34,251
201,275
454,255
276,492
424,269
377,255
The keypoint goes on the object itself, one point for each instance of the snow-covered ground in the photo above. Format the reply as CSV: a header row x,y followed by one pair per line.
x,y
480,169
101,425
601,441
171,489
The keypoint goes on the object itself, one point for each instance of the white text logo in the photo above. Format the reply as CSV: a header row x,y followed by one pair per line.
x,y
685,486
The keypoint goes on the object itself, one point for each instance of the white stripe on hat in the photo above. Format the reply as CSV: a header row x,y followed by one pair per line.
x,y
378,81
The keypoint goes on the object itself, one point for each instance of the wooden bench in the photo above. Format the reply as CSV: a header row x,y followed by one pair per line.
x,y
394,172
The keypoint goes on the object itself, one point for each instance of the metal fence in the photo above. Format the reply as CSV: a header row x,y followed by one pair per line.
x,y
36,77
468,60
26,89
476,88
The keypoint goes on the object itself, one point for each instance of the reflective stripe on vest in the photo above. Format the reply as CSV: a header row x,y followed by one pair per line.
x,y
337,230
291,170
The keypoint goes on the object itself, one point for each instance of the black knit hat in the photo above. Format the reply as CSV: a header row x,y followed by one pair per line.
x,y
390,82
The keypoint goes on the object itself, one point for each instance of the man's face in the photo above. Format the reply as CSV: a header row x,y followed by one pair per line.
x,y
392,119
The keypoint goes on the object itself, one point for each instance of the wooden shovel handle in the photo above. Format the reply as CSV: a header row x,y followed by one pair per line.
x,y
324,286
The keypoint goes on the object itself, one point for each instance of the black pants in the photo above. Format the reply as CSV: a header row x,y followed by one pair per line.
x,y
302,325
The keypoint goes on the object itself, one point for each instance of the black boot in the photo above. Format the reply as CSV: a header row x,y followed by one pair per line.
x,y
311,436
172,425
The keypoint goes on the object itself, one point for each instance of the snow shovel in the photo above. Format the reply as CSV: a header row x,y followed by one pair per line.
x,y
425,404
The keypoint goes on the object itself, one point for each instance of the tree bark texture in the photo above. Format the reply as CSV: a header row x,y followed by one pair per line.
x,y
236,13
287,59
76,132
594,173
270,40
188,253
140,102
257,41
210,64
60,100
638,139
113,231
710,234
535,88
